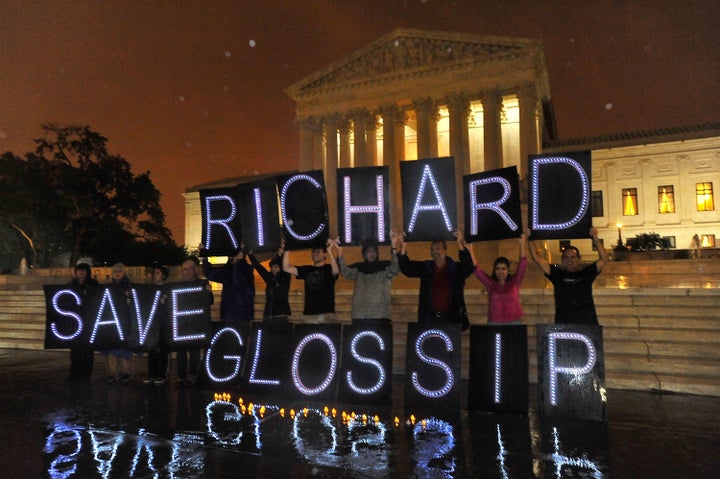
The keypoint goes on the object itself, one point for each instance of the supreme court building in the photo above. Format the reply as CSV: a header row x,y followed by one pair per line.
x,y
485,100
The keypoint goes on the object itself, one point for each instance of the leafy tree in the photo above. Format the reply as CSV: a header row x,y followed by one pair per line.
x,y
71,195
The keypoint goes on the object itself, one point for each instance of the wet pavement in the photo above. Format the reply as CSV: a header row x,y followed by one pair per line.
x,y
58,429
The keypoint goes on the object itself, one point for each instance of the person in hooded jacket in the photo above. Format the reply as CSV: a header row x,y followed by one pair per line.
x,y
373,281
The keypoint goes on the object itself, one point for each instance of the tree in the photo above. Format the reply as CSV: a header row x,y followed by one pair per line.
x,y
72,195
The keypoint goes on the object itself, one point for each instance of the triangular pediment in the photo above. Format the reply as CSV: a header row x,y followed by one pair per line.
x,y
409,51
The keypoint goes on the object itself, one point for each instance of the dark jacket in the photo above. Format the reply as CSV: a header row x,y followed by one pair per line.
x,y
457,272
238,293
277,288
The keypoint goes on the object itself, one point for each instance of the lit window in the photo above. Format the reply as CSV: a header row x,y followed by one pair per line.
x,y
596,203
666,199
630,205
707,241
704,196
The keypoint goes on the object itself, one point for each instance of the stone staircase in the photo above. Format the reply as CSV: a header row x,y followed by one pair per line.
x,y
663,339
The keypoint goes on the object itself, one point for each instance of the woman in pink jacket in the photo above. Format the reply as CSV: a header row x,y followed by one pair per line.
x,y
503,288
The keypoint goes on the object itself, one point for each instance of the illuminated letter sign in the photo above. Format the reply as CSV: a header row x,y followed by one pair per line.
x,y
268,362
224,356
365,210
558,203
147,309
303,208
571,372
498,375
109,314
64,321
492,205
432,371
221,222
189,315
315,360
430,213
367,363
259,216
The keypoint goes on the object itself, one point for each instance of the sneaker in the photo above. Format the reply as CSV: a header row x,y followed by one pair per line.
x,y
148,380
159,381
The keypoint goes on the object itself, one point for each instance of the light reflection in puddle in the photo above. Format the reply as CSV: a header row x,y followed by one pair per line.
x,y
355,445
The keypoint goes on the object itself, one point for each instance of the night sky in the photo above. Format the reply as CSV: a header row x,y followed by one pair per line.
x,y
194,91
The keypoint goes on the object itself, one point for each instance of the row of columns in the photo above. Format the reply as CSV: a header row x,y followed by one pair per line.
x,y
319,147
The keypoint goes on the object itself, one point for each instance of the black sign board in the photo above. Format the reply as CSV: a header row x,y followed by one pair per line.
x,y
429,202
366,374
303,208
315,362
221,228
363,204
492,205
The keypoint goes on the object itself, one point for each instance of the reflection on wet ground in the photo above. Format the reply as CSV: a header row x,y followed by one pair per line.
x,y
55,429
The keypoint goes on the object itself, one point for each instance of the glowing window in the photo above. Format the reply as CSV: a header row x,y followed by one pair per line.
x,y
707,241
596,203
704,196
666,199
630,204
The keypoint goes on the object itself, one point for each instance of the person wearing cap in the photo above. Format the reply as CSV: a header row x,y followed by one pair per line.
x,y
373,281
81,360
158,358
237,300
277,288
319,278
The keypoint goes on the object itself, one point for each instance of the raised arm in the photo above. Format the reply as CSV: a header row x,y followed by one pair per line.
x,y
540,261
333,243
602,252
286,266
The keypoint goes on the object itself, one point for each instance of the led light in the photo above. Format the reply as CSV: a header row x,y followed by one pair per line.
x,y
493,205
219,221
218,408
296,360
378,209
237,359
143,331
313,449
433,333
434,438
107,301
283,198
68,314
440,205
256,357
67,439
535,189
555,370
364,360
258,217
498,366
177,314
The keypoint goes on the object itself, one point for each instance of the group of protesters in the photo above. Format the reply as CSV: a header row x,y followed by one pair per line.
x,y
441,292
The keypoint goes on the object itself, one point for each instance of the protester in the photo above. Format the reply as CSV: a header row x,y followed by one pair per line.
x,y
237,300
373,281
119,360
277,288
572,281
319,279
158,358
442,281
188,360
503,288
81,359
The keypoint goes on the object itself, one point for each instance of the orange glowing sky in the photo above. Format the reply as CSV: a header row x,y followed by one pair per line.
x,y
193,91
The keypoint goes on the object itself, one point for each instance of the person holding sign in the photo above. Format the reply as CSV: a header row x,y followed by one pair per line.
x,y
237,299
503,288
572,281
81,360
373,280
158,358
188,360
119,360
277,288
319,279
442,281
